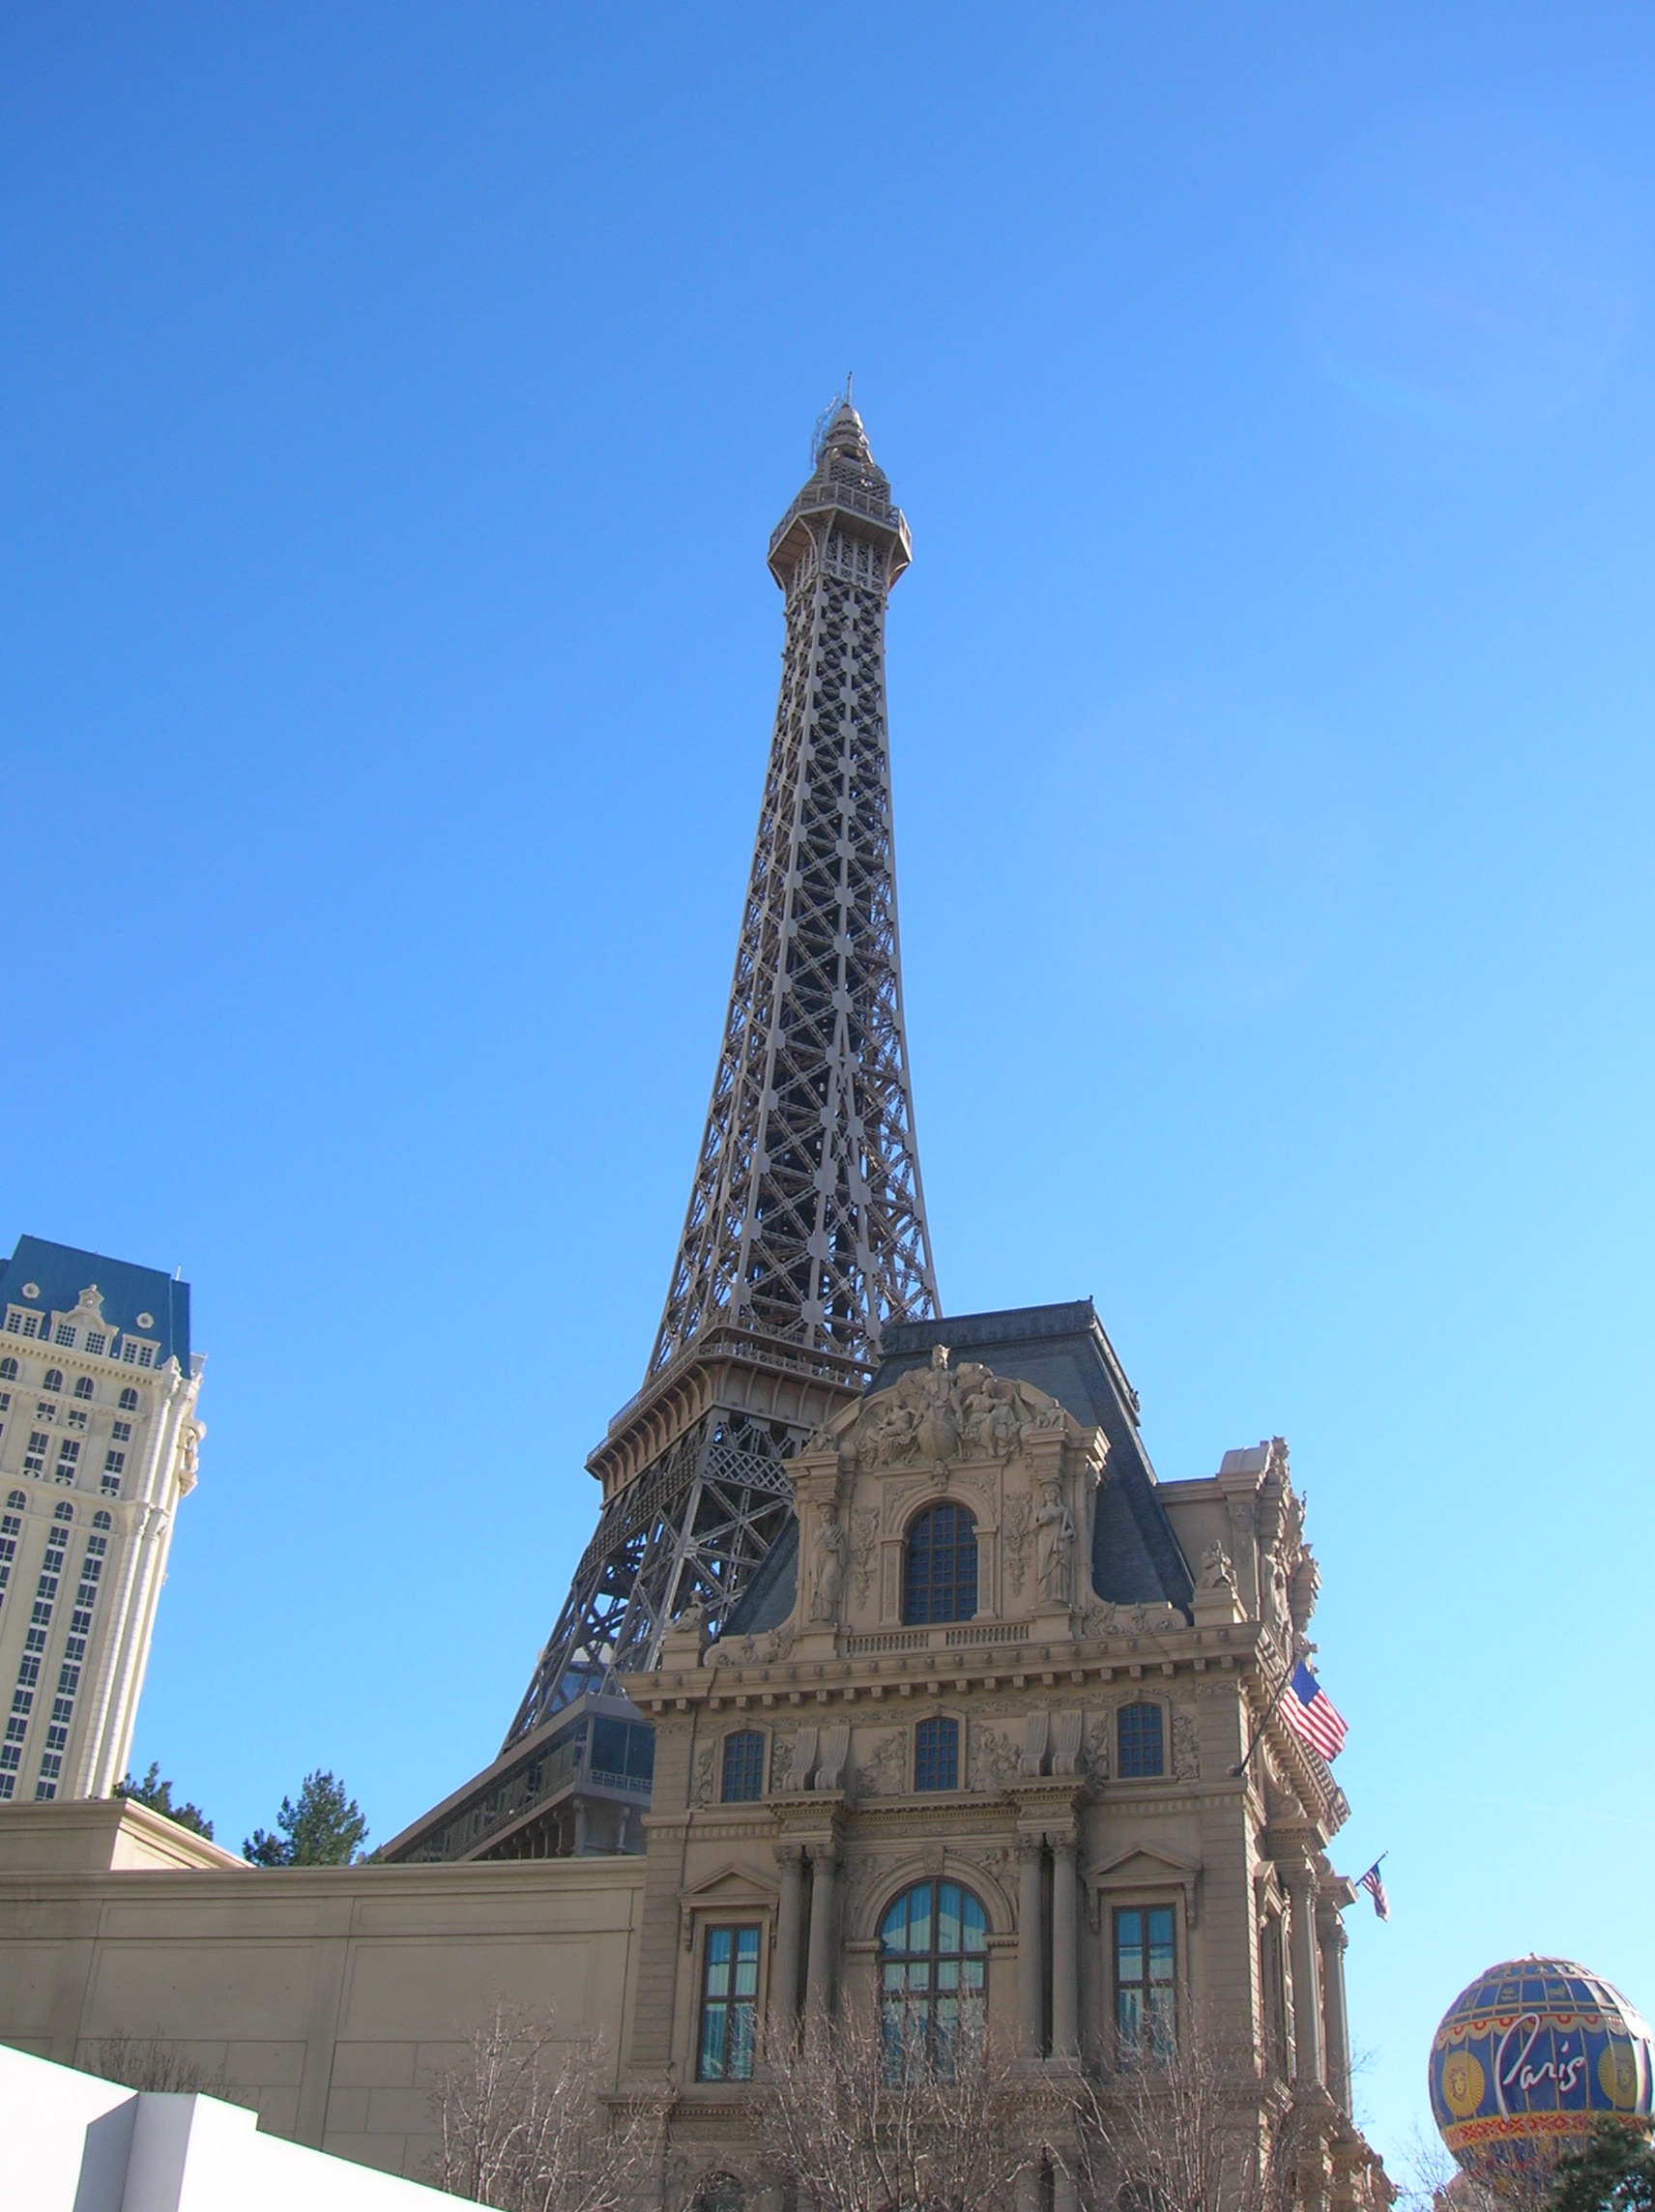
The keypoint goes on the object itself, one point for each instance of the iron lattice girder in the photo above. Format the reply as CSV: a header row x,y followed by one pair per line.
x,y
689,1533
807,1215
805,1230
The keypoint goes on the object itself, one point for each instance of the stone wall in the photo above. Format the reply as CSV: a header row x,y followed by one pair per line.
x,y
328,1998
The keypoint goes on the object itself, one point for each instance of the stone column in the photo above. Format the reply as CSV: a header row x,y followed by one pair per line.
x,y
1300,1882
784,1967
1031,1946
819,1967
1330,1930
1065,2188
1065,1952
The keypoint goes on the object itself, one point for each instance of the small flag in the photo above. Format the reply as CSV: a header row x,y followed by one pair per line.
x,y
1376,1889
1309,1712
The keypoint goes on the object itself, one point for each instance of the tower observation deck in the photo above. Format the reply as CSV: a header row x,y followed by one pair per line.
x,y
804,1236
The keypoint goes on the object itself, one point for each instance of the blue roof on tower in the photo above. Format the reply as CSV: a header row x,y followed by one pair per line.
x,y
60,1272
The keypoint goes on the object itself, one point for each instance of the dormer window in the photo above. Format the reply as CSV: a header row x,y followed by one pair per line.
x,y
64,1335
940,1578
22,1322
135,1353
96,1340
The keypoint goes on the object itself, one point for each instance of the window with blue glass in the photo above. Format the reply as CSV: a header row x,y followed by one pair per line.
x,y
1140,1742
933,1967
729,2004
1145,1989
744,1767
940,1582
936,1754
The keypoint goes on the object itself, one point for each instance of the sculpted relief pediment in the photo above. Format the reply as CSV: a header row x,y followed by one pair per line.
x,y
938,1415
1012,1476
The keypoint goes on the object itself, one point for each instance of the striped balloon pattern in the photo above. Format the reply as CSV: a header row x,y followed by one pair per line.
x,y
1527,2055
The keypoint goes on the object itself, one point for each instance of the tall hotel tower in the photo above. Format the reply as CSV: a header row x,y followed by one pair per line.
x,y
98,1445
805,1233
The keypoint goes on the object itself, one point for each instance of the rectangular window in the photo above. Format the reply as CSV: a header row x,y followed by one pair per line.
x,y
109,1485
937,1755
130,1353
35,1458
94,1343
729,2001
16,1728
24,1700
64,1336
114,1462
122,1431
8,1781
743,1766
57,1738
1140,1733
21,1324
10,1758
69,1679
5,1400
1145,2016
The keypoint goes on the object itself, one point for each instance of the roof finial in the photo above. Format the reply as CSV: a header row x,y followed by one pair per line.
x,y
849,373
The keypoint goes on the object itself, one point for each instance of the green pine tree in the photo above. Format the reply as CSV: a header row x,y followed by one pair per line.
x,y
1613,2170
157,1794
325,1828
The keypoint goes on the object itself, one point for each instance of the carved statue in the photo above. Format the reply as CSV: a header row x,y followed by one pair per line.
x,y
1216,1571
1055,1543
830,1554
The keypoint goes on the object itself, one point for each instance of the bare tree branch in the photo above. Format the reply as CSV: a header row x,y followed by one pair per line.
x,y
526,2128
854,2121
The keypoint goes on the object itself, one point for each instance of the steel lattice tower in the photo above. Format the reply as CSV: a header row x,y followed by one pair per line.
x,y
805,1230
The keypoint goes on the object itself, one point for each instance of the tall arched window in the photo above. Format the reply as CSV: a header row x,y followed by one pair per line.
x,y
940,1582
933,1967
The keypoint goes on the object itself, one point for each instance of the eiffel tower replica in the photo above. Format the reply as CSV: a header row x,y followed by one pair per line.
x,y
804,1236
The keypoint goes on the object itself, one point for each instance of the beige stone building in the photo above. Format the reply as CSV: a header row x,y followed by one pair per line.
x,y
995,1727
98,1445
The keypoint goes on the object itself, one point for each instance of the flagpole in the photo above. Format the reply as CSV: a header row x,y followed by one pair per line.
x,y
1236,1772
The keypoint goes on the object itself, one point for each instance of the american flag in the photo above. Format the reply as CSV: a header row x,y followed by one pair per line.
x,y
1376,1889
1309,1712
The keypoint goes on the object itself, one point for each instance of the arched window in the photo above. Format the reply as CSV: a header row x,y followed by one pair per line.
x,y
933,1967
1140,1741
128,1401
8,1369
941,1579
52,1379
102,1521
744,1767
83,1386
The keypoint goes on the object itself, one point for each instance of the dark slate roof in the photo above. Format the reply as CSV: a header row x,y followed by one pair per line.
x,y
61,1272
1062,1349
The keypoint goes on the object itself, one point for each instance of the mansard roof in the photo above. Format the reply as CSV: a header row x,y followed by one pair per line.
x,y
60,1272
1062,1349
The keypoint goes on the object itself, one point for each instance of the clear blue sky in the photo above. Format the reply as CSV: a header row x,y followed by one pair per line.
x,y
395,402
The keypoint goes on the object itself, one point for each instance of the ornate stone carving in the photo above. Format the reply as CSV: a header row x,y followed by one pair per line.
x,y
865,1539
1186,1749
782,1752
829,1594
1095,1752
1015,1540
884,1773
997,1758
1055,1544
1216,1571
703,1764
934,1415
